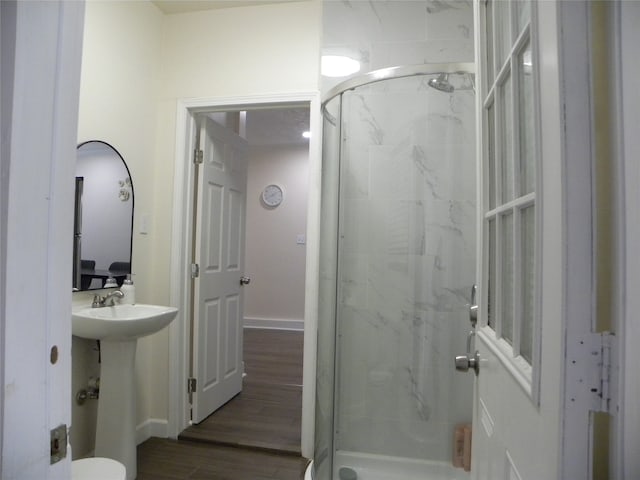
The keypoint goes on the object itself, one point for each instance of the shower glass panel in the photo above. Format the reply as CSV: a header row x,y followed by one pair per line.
x,y
325,378
397,265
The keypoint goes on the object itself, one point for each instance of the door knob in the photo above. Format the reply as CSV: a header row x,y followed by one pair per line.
x,y
466,362
245,280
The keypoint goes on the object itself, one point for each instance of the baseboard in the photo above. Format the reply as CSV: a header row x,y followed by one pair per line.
x,y
152,427
273,323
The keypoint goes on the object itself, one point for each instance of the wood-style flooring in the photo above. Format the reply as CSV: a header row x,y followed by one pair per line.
x,y
256,435
164,459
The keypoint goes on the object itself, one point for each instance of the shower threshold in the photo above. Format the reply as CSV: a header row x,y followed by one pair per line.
x,y
380,467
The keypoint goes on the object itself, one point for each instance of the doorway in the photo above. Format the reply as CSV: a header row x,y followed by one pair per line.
x,y
180,333
249,223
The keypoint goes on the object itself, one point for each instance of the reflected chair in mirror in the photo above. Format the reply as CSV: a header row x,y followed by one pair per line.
x,y
85,278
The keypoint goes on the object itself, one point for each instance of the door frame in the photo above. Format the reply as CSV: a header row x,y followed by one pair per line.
x,y
181,237
575,37
627,144
567,43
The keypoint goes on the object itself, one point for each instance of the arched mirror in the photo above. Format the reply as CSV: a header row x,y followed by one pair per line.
x,y
103,225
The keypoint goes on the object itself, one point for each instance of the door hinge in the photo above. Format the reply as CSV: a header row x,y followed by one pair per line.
x,y
192,384
198,156
599,351
195,270
58,440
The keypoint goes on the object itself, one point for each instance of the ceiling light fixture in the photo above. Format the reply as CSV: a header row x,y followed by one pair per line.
x,y
306,134
338,66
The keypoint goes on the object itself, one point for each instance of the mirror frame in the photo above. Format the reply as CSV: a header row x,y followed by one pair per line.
x,y
76,286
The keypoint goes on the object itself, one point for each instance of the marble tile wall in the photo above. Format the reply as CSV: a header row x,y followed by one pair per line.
x,y
388,33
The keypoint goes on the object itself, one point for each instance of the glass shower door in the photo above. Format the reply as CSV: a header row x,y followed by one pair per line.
x,y
403,156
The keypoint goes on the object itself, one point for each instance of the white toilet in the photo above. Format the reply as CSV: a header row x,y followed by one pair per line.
x,y
97,468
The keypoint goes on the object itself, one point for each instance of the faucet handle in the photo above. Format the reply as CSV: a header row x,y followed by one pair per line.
x,y
97,301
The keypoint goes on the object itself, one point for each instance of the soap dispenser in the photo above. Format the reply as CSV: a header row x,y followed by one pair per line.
x,y
129,291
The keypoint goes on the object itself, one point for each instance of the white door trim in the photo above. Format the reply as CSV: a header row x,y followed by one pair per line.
x,y
573,65
627,440
181,238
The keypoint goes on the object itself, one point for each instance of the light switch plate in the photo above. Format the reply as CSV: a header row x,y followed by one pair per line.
x,y
144,223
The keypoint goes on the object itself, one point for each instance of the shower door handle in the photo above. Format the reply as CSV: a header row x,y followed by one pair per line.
x,y
470,335
473,307
470,361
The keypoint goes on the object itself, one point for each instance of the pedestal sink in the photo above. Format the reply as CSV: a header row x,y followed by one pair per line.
x,y
118,327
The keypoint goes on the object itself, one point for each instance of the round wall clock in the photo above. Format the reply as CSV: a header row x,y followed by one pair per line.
x,y
272,195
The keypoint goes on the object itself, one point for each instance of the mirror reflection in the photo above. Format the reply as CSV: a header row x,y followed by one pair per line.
x,y
103,223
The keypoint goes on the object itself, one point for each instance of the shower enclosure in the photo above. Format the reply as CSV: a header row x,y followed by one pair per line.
x,y
397,266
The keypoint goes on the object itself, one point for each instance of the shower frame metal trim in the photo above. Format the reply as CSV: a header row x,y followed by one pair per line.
x,y
397,72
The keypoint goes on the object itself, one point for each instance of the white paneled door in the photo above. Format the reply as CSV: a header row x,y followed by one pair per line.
x,y
529,280
219,254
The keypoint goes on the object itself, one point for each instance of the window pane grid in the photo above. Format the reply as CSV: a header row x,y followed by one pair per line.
x,y
523,13
491,272
515,116
512,254
488,34
527,282
517,284
502,24
505,68
522,202
491,158
506,289
505,157
526,119
510,175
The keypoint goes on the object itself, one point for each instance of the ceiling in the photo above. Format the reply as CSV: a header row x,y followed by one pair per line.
x,y
272,126
280,126
184,6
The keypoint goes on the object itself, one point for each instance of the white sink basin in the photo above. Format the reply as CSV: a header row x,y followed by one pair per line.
x,y
121,322
118,328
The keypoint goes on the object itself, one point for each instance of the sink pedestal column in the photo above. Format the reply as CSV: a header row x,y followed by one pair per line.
x,y
116,429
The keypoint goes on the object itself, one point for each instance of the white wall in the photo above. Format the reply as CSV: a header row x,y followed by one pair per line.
x,y
137,64
274,261
118,99
118,95
215,54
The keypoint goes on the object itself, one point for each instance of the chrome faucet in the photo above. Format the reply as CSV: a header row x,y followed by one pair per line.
x,y
107,300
